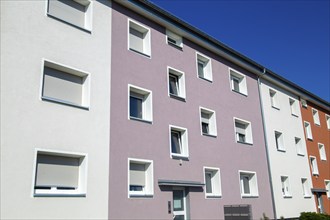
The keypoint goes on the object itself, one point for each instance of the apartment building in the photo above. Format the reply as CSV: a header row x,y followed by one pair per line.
x,y
316,122
286,147
180,143
55,86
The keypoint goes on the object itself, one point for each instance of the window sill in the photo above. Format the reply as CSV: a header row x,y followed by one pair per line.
x,y
287,196
59,195
141,53
243,94
73,25
310,139
208,80
209,135
175,46
301,154
246,143
281,150
274,107
139,119
317,124
250,196
307,196
294,115
213,196
178,97
45,98
179,157
316,174
141,195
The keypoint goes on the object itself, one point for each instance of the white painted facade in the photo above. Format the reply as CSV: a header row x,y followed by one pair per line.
x,y
28,123
285,161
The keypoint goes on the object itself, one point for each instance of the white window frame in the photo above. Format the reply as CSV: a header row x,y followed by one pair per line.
x,y
274,100
241,84
316,117
279,141
305,187
181,82
212,121
178,39
287,188
146,41
88,21
299,146
327,187
85,93
80,191
207,70
253,184
183,142
314,166
215,182
327,120
308,130
293,107
248,131
323,155
148,190
147,108
303,103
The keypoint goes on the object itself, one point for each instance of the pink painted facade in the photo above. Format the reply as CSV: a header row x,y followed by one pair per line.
x,y
151,141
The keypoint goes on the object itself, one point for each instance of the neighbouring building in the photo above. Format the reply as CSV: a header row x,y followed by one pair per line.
x,y
316,123
55,89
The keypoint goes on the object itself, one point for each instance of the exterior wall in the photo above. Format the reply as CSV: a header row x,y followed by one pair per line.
x,y
286,163
28,36
321,134
150,141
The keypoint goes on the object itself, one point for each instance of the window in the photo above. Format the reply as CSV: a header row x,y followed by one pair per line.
x,y
243,131
327,187
286,192
308,130
293,107
179,142
75,12
65,85
327,119
323,155
212,182
303,103
204,67
315,170
208,122
140,103
238,82
316,117
140,177
248,183
176,83
139,38
305,187
60,174
274,99
174,39
279,141
299,146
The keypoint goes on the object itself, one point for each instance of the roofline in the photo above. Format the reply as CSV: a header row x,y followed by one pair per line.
x,y
150,10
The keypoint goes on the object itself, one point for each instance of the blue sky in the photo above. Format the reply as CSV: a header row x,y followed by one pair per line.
x,y
289,37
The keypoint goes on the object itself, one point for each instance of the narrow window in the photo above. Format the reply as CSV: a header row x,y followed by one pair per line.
x,y
285,186
212,182
315,170
323,155
178,142
65,85
327,119
139,38
299,146
316,117
204,67
308,130
327,187
248,182
305,187
273,99
174,39
303,103
279,141
238,82
60,174
140,103
77,13
243,131
208,122
176,83
293,107
140,177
